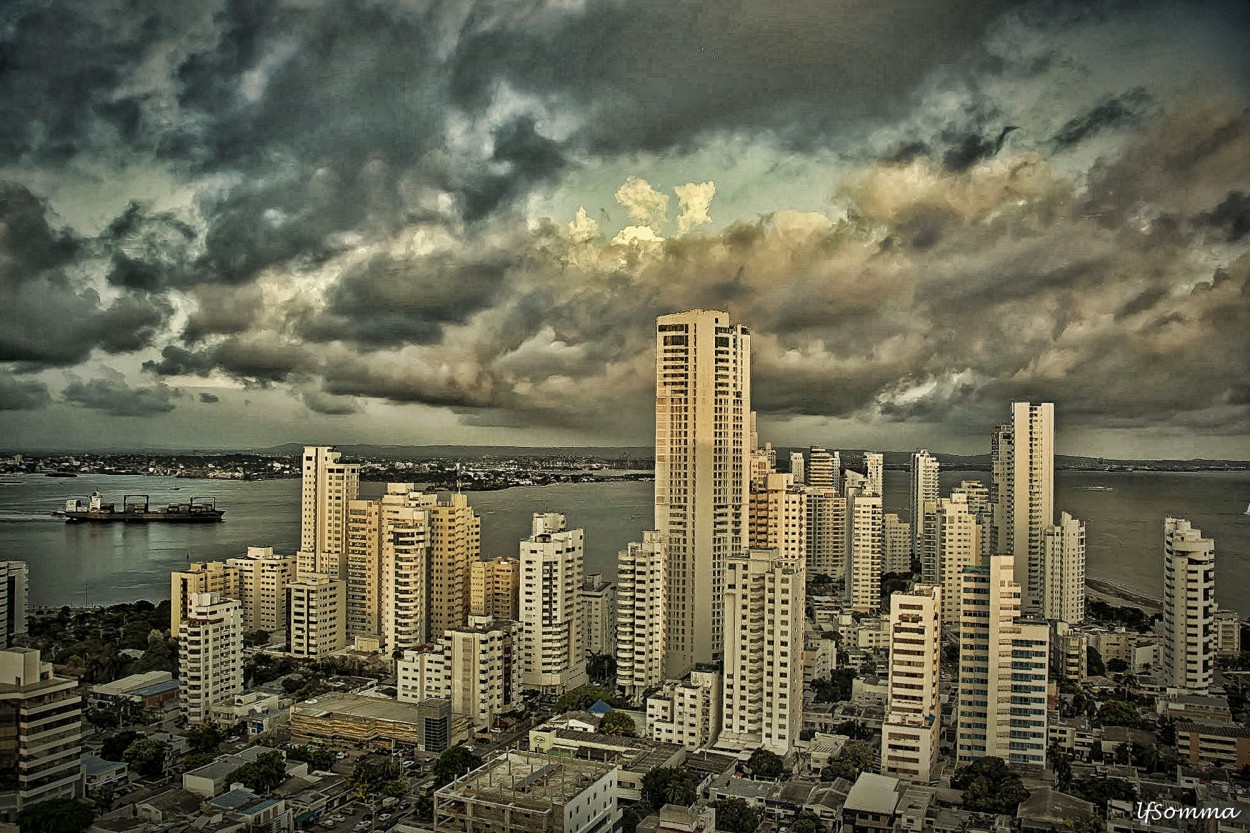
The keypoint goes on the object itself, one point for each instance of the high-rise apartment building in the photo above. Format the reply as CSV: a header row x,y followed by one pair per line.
x,y
763,667
922,487
316,614
41,745
210,655
1003,663
702,471
599,613
1022,456
404,575
910,733
553,639
1188,607
874,470
641,620
951,542
824,470
827,530
1063,570
797,471
259,583
483,670
14,599
494,588
867,551
777,517
328,486
896,557
199,577
455,543
977,495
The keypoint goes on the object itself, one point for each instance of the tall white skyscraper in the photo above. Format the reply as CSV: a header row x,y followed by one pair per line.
x,y
702,471
763,682
909,735
1023,491
1003,658
1063,570
874,465
922,487
327,487
14,595
1188,607
553,640
641,623
951,542
210,655
867,551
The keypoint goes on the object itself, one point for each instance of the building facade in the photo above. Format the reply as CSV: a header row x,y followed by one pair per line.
x,y
1063,570
210,655
1188,607
641,621
14,599
599,613
259,583
316,613
327,486
922,487
912,727
688,711
1022,460
495,588
41,745
553,640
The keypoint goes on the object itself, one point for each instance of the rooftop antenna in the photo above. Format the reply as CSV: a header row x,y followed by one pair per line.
x,y
458,483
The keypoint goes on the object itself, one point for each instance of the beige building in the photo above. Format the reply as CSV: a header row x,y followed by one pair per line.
x,y
867,551
912,727
922,487
824,469
896,555
495,588
1022,460
1001,708
1063,571
405,573
874,470
455,544
483,670
199,577
327,488
553,641
421,673
259,582
950,542
762,697
1188,607
777,517
687,712
14,599
702,472
41,745
599,613
827,529
210,655
1227,633
641,623
316,612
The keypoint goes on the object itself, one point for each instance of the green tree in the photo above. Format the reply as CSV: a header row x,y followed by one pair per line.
x,y
989,786
1101,790
1117,666
452,764
206,737
316,757
734,815
581,698
115,745
807,823
1089,824
600,667
856,757
262,775
102,718
1093,663
147,757
618,723
633,814
59,815
255,639
669,785
766,764
1118,713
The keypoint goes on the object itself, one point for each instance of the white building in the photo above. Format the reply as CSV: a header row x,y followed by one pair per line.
x,y
641,621
404,575
455,543
199,577
874,470
1023,491
1001,708
14,599
777,517
867,551
827,528
796,468
327,487
210,655
763,665
421,673
1188,607
896,557
824,469
41,746
260,579
316,613
553,638
922,487
599,613
702,471
1063,570
912,727
687,712
950,542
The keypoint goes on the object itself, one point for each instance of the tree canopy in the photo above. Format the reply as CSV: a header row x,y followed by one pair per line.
x,y
266,773
147,757
452,764
669,785
617,722
765,764
989,786
733,815
1118,713
59,815
856,757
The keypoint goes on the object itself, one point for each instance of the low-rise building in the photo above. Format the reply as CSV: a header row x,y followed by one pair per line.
x,y
872,804
149,690
1213,743
687,712
99,774
378,722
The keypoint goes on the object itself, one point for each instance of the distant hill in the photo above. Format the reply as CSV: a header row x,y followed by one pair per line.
x,y
426,452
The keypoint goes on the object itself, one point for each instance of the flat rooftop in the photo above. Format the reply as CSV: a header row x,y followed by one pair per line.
x,y
358,706
527,779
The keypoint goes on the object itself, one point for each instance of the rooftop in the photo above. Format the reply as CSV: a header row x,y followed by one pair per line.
x,y
527,779
873,793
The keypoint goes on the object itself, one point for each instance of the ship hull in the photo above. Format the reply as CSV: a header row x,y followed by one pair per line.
x,y
142,517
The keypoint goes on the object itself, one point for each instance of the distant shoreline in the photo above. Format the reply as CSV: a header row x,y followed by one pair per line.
x,y
1109,592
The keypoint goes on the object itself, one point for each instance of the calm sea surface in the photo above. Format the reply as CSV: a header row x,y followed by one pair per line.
x,y
108,563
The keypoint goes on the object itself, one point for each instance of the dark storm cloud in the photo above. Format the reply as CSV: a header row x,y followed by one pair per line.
x,y
260,361
52,315
1116,111
320,403
1232,216
116,398
149,251
18,394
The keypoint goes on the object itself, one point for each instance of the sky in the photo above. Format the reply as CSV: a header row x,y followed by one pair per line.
x,y
239,223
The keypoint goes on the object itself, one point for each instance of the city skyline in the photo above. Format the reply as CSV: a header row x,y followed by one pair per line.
x,y
457,224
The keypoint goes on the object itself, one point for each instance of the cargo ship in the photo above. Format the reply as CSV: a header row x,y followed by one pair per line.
x,y
136,509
